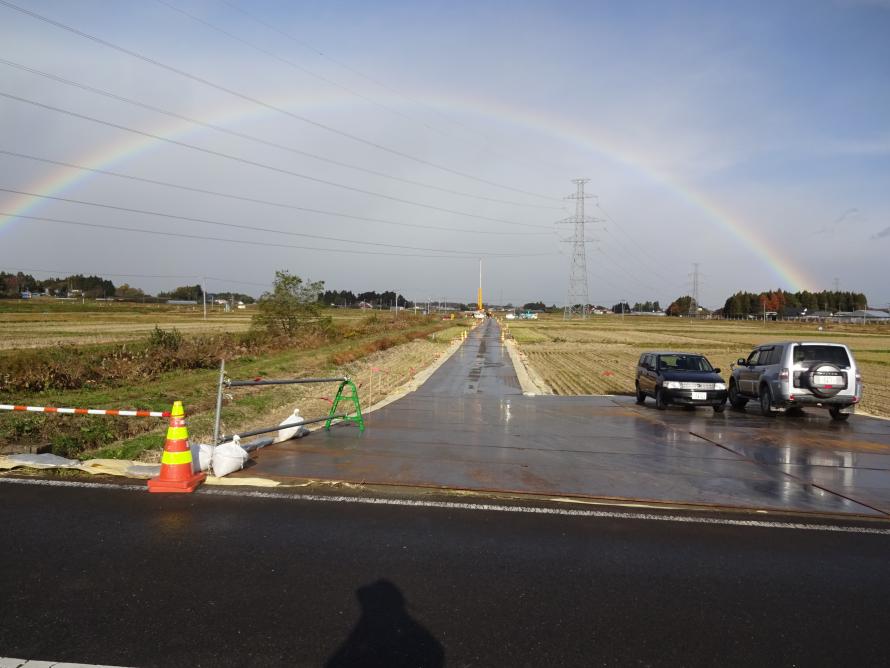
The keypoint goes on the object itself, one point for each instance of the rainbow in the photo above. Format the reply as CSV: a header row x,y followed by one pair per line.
x,y
793,277
130,146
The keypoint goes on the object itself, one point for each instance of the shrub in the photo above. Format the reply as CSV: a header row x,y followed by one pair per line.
x,y
170,339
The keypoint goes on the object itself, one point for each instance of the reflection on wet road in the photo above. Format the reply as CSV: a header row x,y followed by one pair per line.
x,y
470,427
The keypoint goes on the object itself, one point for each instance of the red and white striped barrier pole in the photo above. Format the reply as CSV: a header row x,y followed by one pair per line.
x,y
84,411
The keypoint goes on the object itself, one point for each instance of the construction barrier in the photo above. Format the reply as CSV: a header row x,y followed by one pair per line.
x,y
176,462
341,397
85,411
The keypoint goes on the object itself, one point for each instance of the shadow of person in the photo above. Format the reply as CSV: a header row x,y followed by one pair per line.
x,y
385,634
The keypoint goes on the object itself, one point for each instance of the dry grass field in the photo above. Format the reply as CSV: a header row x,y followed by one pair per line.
x,y
39,324
42,323
598,356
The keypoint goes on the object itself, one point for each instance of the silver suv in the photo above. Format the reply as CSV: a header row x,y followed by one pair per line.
x,y
793,374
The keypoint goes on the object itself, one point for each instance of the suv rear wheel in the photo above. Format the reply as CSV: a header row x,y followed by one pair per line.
x,y
766,402
735,400
641,396
836,414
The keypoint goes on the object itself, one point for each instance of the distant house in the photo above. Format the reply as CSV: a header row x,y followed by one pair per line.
x,y
818,315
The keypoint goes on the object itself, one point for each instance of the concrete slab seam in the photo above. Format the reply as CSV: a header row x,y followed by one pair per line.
x,y
452,505
534,510
790,476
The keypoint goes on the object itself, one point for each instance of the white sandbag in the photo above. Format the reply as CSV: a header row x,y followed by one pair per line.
x,y
202,456
286,434
228,457
44,461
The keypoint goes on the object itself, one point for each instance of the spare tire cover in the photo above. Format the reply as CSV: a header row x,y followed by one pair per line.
x,y
825,380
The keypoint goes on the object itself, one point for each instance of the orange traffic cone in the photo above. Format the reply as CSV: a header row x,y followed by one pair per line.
x,y
176,462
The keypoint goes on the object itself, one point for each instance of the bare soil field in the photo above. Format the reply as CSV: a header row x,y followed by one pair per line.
x,y
599,355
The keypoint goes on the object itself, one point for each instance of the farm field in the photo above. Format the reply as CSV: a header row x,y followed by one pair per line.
x,y
106,361
599,355
40,323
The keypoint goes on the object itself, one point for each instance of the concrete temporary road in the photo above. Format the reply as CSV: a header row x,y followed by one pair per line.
x,y
469,427
122,577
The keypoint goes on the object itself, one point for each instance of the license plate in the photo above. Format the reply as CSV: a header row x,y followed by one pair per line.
x,y
830,380
699,395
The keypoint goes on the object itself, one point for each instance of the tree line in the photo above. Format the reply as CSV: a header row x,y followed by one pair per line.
x,y
348,298
792,303
741,304
12,285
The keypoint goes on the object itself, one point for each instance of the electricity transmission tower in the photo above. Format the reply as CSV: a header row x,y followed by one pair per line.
x,y
693,305
578,298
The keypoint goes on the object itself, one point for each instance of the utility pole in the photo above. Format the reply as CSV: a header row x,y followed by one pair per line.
x,y
693,306
577,297
479,296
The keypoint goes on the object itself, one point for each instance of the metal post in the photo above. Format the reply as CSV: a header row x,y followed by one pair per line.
x,y
219,395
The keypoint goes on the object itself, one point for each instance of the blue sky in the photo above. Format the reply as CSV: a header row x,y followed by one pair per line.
x,y
700,125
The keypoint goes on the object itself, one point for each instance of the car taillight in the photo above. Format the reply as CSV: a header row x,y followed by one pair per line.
x,y
783,376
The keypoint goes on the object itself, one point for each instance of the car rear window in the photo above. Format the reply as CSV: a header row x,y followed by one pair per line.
x,y
832,354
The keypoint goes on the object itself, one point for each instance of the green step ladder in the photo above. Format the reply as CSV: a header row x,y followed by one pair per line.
x,y
356,419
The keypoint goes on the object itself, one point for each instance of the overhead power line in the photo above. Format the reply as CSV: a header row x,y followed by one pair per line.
x,y
261,165
261,103
256,200
244,242
340,63
653,261
258,140
250,228
282,59
537,161
631,275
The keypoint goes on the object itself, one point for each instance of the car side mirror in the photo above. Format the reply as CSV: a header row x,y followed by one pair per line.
x,y
741,362
717,369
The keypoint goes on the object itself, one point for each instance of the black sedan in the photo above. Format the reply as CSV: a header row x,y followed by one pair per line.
x,y
679,378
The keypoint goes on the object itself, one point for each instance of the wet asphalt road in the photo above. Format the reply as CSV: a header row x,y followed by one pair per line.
x,y
470,427
127,578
